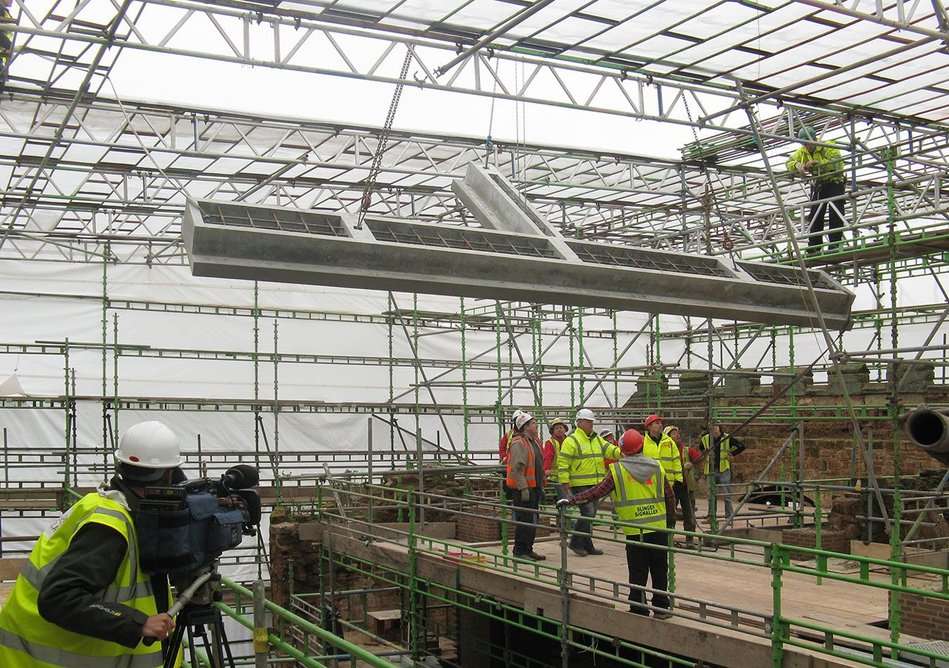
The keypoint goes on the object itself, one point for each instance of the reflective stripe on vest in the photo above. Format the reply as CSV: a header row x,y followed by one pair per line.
x,y
586,467
725,447
31,652
667,453
670,459
641,507
530,472
111,594
28,640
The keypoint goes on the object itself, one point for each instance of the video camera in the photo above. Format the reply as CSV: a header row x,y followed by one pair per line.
x,y
185,527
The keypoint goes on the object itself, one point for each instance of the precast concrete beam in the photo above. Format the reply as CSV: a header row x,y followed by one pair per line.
x,y
237,240
497,205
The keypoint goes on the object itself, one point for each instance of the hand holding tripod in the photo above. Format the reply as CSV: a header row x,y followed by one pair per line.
x,y
194,614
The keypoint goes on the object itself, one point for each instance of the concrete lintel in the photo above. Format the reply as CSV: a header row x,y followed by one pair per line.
x,y
235,252
494,201
441,530
521,258
356,232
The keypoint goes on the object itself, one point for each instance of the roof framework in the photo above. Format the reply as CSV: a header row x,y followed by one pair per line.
x,y
86,177
81,169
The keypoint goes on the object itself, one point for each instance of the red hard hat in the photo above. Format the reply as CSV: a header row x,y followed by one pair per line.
x,y
652,418
631,442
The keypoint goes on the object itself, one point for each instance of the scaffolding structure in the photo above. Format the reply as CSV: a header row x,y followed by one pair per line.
x,y
91,179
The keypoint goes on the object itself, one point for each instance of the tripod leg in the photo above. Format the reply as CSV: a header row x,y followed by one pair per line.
x,y
202,631
222,640
174,646
199,622
217,657
192,645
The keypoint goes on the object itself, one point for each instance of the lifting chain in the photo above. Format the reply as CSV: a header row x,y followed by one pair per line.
x,y
383,141
727,243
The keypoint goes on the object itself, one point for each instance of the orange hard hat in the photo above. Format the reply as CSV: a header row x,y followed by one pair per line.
x,y
631,442
652,418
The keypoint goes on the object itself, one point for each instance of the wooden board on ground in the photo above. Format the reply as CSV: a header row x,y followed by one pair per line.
x,y
10,568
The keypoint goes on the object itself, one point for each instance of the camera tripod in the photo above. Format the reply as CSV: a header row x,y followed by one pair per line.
x,y
194,615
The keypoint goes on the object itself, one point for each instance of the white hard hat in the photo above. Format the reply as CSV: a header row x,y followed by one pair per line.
x,y
521,419
586,414
149,445
516,414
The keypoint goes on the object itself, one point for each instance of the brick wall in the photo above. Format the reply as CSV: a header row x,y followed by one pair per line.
x,y
831,540
827,450
479,524
924,617
288,553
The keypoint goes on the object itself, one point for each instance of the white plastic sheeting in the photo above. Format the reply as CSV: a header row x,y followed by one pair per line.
x,y
55,301
70,307
52,302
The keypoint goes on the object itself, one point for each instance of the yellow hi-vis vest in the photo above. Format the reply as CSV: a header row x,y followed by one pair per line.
x,y
667,452
641,504
29,641
725,445
580,461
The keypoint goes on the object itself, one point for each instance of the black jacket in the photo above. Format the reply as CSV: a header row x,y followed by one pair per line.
x,y
71,594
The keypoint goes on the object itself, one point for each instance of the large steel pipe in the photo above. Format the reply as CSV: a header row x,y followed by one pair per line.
x,y
929,429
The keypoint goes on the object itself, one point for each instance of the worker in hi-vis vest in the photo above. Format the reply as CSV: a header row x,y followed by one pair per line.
x,y
718,465
580,466
640,492
689,457
659,445
525,484
82,599
823,166
507,435
558,428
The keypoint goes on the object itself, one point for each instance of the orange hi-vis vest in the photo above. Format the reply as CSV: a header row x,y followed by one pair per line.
x,y
530,471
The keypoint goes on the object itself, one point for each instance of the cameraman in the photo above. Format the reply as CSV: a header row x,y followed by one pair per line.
x,y
82,599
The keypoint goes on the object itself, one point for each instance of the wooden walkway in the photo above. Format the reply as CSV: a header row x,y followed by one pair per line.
x,y
706,626
737,598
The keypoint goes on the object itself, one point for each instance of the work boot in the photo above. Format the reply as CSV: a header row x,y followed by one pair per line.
x,y
579,551
588,546
535,556
662,614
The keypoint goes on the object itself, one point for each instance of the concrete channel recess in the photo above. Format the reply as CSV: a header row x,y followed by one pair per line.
x,y
515,255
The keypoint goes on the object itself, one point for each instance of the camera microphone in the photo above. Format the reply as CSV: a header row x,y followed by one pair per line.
x,y
242,476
